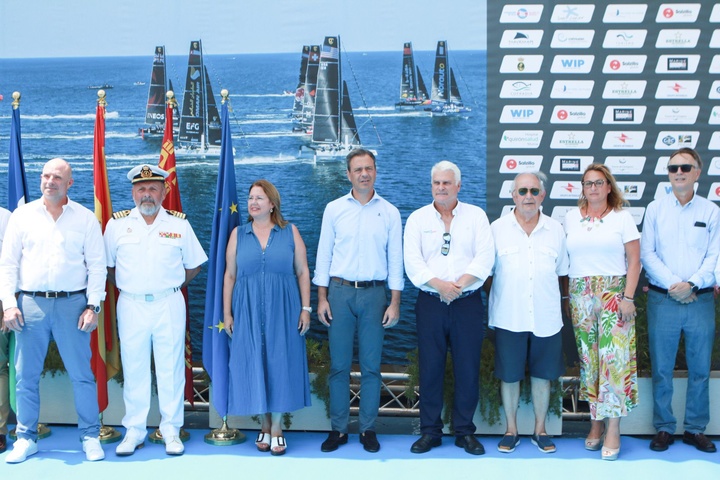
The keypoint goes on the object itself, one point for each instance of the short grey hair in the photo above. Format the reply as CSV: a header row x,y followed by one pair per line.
x,y
443,166
542,178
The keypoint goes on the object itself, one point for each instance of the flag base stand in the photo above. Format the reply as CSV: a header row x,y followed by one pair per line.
x,y
43,432
225,436
156,436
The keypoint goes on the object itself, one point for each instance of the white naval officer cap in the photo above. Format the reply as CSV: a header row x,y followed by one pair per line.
x,y
147,173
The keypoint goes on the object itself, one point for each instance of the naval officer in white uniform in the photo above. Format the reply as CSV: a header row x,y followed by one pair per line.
x,y
151,254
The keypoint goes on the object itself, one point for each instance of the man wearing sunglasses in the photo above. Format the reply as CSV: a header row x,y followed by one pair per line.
x,y
449,252
679,250
525,305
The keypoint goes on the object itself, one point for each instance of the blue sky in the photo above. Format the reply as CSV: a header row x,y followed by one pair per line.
x,y
79,28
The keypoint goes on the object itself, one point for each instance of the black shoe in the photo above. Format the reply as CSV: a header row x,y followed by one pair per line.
x,y
333,441
369,441
470,444
425,443
661,441
699,441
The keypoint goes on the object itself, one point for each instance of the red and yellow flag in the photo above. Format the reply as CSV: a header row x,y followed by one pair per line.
x,y
172,202
104,340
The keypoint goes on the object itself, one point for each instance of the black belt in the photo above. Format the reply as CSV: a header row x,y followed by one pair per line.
x,y
357,283
52,294
462,295
665,292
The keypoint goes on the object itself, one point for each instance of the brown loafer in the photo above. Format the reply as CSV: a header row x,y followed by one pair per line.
x,y
699,441
661,441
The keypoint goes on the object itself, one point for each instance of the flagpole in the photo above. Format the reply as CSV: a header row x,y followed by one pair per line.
x,y
20,191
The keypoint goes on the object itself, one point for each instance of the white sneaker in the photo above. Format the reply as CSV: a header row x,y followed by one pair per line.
x,y
173,446
22,448
128,446
92,448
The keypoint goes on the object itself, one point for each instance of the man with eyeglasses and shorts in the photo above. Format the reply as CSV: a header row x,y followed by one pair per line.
x,y
449,252
679,251
531,266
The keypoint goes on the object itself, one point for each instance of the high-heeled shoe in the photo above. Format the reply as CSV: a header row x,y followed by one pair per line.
x,y
610,453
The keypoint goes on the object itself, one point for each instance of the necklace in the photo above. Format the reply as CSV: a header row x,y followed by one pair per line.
x,y
590,222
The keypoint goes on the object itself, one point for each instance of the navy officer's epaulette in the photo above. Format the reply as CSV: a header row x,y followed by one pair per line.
x,y
177,214
121,214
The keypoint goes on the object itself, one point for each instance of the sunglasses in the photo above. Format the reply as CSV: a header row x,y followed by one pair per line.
x,y
445,249
524,191
685,167
597,183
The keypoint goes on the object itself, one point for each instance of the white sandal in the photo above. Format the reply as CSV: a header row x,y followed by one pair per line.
x,y
263,442
278,442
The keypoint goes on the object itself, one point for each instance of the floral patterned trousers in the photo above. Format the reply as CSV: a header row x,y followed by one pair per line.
x,y
606,346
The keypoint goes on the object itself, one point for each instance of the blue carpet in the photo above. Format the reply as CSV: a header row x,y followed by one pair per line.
x,y
61,457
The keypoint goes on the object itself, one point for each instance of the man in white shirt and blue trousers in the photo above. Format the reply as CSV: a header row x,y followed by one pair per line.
x,y
449,253
359,254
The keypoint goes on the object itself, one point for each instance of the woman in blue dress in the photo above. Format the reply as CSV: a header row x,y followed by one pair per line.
x,y
266,309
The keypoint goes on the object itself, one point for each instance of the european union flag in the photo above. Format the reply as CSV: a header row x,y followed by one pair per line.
x,y
225,217
17,183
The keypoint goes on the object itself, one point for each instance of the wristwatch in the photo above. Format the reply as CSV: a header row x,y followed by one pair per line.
x,y
94,308
307,309
693,286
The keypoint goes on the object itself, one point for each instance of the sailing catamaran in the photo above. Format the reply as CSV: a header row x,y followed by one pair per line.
x,y
334,132
160,84
445,95
413,93
200,128
304,116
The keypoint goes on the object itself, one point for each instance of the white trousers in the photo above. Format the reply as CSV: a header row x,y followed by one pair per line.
x,y
157,326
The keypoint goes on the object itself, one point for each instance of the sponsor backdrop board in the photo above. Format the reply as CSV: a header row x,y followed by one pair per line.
x,y
619,83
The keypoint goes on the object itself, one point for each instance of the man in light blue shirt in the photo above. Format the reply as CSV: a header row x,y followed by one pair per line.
x,y
679,251
360,250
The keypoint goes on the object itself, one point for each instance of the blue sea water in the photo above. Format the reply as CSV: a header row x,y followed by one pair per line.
x,y
58,113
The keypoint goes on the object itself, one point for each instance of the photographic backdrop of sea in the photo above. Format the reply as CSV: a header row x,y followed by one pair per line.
x,y
58,113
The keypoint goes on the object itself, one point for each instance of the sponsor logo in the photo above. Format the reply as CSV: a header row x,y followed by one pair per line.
x,y
578,140
624,63
521,38
570,164
572,63
625,114
672,140
521,89
714,141
677,89
572,89
521,64
566,190
677,38
520,163
572,38
521,13
624,38
677,115
677,12
620,13
621,140
572,13
623,165
521,139
521,114
632,190
581,114
624,89
677,63
714,90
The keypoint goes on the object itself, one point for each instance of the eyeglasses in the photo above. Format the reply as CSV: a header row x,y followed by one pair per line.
x,y
596,183
685,167
524,191
445,249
